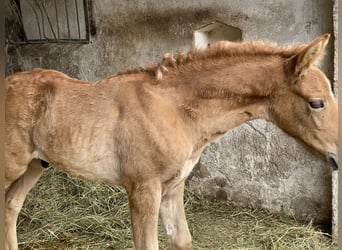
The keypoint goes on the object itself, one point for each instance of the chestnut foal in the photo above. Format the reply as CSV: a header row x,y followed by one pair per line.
x,y
145,129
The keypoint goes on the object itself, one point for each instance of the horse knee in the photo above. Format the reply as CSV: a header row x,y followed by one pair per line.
x,y
184,246
180,240
187,246
13,205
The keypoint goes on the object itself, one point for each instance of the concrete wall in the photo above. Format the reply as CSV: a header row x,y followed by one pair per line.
x,y
334,228
254,165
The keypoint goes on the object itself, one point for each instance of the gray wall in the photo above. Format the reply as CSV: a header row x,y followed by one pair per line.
x,y
254,165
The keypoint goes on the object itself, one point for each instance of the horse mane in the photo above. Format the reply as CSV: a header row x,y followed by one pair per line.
x,y
222,49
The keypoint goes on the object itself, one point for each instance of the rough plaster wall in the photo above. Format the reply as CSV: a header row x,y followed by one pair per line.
x,y
255,164
335,27
334,229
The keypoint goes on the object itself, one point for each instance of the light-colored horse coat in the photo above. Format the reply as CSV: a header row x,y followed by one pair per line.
x,y
145,129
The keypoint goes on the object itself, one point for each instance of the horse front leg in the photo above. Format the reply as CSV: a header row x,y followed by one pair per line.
x,y
144,202
173,215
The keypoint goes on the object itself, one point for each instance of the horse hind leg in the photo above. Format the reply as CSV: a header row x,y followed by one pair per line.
x,y
15,197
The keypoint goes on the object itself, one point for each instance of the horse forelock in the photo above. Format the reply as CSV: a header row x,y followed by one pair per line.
x,y
223,49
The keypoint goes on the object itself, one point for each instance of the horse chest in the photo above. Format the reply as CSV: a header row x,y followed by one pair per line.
x,y
187,168
180,175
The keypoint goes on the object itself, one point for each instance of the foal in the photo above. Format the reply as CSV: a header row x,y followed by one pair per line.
x,y
145,129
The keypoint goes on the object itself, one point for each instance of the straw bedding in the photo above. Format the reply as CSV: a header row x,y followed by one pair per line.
x,y
62,212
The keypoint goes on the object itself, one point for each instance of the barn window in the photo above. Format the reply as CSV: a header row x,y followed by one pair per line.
x,y
213,32
47,21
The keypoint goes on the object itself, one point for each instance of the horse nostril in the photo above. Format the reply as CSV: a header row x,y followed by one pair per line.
x,y
333,160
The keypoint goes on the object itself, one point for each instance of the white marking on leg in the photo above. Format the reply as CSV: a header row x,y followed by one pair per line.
x,y
169,229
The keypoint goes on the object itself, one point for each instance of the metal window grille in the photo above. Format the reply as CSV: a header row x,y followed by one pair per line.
x,y
48,21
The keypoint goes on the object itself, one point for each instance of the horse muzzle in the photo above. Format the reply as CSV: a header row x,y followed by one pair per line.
x,y
333,160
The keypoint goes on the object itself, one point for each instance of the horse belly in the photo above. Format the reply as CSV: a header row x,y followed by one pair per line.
x,y
82,150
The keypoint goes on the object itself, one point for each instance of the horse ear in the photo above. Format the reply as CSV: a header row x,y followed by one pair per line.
x,y
309,55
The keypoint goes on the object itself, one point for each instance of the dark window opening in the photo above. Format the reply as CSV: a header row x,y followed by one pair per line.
x,y
213,32
47,21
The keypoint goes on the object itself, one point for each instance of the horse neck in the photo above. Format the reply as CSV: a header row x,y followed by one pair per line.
x,y
218,96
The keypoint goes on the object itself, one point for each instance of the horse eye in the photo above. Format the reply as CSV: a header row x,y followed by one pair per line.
x,y
316,104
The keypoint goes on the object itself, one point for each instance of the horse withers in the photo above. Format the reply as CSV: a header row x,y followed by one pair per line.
x,y
146,128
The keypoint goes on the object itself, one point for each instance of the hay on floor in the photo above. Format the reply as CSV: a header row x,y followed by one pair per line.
x,y
62,212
